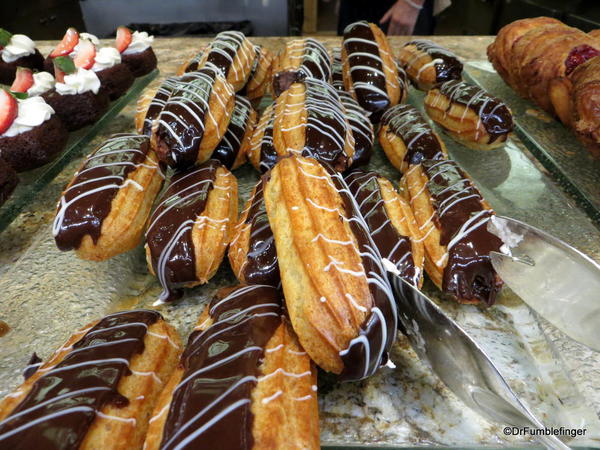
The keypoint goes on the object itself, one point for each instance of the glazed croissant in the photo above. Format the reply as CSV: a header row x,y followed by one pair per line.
x,y
539,57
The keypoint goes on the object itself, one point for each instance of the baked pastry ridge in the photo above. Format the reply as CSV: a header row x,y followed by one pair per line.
x,y
252,251
262,153
407,138
453,218
428,64
260,75
98,390
191,227
336,290
375,207
103,210
243,380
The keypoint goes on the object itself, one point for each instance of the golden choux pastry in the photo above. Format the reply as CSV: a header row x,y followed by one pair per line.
x,y
261,153
103,210
260,75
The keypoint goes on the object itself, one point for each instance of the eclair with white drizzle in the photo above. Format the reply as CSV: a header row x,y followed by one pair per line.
x,y
261,153
194,119
151,103
369,69
310,120
243,381
191,227
96,391
103,210
407,138
453,217
469,114
391,222
336,289
260,75
232,54
428,64
252,254
300,59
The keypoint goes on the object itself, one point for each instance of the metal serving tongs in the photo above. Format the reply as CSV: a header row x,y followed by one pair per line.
x,y
557,281
458,361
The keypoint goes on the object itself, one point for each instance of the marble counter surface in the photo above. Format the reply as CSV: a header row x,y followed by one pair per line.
x,y
31,227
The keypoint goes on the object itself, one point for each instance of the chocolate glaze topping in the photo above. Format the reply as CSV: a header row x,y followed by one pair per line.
x,y
182,120
366,67
326,124
169,235
268,154
337,73
227,150
87,201
447,65
194,63
221,368
62,404
367,352
365,188
261,266
158,103
494,114
34,363
462,219
416,133
362,130
223,50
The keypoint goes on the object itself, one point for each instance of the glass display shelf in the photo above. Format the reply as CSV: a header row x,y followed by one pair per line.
x,y
33,181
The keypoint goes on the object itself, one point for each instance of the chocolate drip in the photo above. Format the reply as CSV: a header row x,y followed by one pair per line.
x,y
337,76
158,103
34,363
447,65
326,125
494,114
418,136
227,150
268,154
169,236
63,403
362,130
363,359
88,200
221,365
261,266
366,67
223,50
284,79
392,245
181,122
463,219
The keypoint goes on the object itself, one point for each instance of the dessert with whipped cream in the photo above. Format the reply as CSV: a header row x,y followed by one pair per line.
x,y
77,97
136,50
31,133
17,50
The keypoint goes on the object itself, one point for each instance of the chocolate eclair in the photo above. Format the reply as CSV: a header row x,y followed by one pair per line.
x,y
261,153
192,64
362,130
103,210
243,381
469,114
407,138
428,64
310,120
232,149
369,69
300,59
151,103
260,75
194,118
453,216
337,71
252,253
97,390
191,227
391,222
336,289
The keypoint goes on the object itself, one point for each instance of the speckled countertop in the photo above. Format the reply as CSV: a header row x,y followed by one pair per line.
x,y
352,413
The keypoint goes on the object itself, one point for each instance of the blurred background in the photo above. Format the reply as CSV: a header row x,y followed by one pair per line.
x,y
48,19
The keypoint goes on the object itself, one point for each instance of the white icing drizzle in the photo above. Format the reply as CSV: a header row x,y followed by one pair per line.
x,y
314,59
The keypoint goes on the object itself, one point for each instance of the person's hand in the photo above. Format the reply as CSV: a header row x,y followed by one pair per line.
x,y
402,18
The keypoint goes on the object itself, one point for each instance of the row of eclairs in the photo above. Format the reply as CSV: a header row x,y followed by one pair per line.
x,y
310,247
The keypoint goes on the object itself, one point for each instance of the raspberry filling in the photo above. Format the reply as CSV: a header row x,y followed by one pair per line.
x,y
579,55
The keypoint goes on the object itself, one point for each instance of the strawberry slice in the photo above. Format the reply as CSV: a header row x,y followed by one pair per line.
x,y
23,80
68,43
8,110
86,53
123,38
